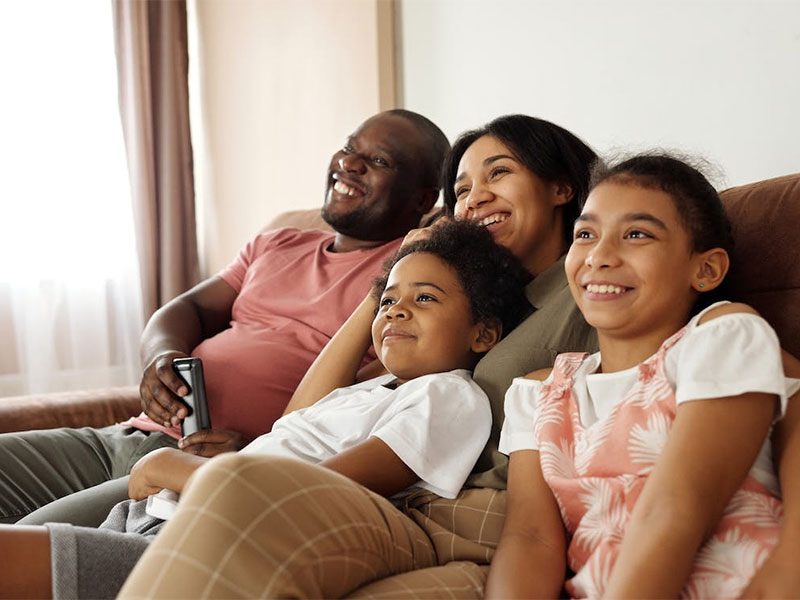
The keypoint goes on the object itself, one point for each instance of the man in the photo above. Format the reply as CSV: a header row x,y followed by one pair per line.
x,y
257,326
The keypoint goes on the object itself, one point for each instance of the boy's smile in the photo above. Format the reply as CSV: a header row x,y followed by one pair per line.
x,y
424,322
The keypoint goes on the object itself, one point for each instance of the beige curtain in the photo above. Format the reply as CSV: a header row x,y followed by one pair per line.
x,y
152,66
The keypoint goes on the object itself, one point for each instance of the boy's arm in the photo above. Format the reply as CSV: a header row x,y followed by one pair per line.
x,y
374,465
530,560
779,577
710,449
165,468
337,364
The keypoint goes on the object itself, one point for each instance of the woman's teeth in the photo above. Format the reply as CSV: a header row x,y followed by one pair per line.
x,y
593,288
344,189
496,218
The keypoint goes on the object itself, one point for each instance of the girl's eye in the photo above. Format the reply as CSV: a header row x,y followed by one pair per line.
x,y
386,301
425,298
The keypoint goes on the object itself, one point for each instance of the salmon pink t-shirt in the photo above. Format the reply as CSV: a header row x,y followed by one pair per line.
x,y
293,296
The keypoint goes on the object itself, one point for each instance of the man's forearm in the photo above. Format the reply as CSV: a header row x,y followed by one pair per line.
x,y
175,327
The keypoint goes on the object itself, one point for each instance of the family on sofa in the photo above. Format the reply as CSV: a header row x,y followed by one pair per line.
x,y
653,457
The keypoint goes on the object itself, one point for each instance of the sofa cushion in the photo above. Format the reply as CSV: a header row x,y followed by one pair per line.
x,y
766,262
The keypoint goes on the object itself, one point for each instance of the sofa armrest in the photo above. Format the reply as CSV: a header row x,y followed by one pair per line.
x,y
93,408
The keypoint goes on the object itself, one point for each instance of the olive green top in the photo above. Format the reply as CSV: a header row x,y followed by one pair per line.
x,y
555,326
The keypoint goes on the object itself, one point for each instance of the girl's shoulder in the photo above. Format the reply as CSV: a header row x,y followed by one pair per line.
x,y
727,308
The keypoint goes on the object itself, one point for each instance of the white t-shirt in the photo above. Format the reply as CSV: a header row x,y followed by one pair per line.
x,y
727,356
436,424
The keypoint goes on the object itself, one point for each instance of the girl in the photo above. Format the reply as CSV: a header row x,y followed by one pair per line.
x,y
651,453
442,304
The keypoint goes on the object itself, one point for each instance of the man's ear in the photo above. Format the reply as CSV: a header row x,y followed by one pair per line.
x,y
427,198
712,266
488,334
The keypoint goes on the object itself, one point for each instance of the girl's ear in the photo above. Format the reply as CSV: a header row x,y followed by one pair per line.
x,y
712,266
488,334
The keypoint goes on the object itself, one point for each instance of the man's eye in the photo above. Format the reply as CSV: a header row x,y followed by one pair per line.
x,y
379,160
347,149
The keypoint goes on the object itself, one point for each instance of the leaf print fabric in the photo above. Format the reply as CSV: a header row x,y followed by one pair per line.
x,y
597,472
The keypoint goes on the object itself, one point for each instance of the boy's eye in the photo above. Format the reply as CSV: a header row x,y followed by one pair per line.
x,y
583,234
638,235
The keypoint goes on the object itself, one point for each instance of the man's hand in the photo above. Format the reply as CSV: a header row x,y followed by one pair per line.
x,y
161,389
210,442
778,577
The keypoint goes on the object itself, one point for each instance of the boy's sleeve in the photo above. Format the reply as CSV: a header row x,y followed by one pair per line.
x,y
439,429
520,411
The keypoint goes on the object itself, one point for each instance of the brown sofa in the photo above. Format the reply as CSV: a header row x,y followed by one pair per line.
x,y
766,219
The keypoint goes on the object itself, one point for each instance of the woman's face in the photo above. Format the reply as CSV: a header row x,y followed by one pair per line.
x,y
519,208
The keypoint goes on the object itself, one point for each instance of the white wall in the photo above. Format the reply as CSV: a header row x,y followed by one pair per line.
x,y
276,87
716,77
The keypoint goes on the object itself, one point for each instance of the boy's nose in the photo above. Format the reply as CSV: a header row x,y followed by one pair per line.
x,y
602,254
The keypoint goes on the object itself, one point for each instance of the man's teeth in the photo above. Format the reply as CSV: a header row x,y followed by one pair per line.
x,y
496,218
345,189
593,288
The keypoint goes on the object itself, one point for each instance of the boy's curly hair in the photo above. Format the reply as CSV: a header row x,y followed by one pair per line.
x,y
492,278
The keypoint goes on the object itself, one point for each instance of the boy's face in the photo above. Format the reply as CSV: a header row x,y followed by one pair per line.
x,y
424,321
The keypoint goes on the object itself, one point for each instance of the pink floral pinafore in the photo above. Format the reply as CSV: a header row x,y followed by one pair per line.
x,y
597,473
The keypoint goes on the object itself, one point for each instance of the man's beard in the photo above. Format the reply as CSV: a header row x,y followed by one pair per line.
x,y
359,224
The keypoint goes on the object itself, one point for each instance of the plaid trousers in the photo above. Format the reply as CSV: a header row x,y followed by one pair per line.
x,y
268,527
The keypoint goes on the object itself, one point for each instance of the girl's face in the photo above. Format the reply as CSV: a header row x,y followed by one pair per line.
x,y
424,320
520,209
630,268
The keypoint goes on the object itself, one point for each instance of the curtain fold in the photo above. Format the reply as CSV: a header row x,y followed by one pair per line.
x,y
152,68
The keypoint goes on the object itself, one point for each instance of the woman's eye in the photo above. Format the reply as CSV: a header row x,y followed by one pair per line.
x,y
497,171
461,191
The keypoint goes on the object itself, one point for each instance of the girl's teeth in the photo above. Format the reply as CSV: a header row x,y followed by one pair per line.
x,y
604,289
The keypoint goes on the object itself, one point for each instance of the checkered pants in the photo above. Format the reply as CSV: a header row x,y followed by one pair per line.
x,y
266,527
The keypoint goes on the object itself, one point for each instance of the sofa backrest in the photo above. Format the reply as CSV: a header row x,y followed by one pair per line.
x,y
766,263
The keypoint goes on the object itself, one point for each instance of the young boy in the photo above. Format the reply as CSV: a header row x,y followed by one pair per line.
x,y
442,303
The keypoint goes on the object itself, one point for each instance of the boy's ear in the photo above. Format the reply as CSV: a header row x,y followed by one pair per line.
x,y
488,335
712,266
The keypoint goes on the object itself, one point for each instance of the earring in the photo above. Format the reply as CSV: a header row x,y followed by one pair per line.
x,y
702,285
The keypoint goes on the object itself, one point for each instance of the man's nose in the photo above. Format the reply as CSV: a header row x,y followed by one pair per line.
x,y
352,163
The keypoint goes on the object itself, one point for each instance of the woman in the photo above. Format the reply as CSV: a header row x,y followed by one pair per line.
x,y
523,178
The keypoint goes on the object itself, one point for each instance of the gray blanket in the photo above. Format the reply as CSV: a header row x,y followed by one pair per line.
x,y
94,563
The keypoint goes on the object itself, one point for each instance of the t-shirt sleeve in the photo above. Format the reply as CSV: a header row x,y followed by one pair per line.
x,y
520,409
235,272
731,355
440,427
